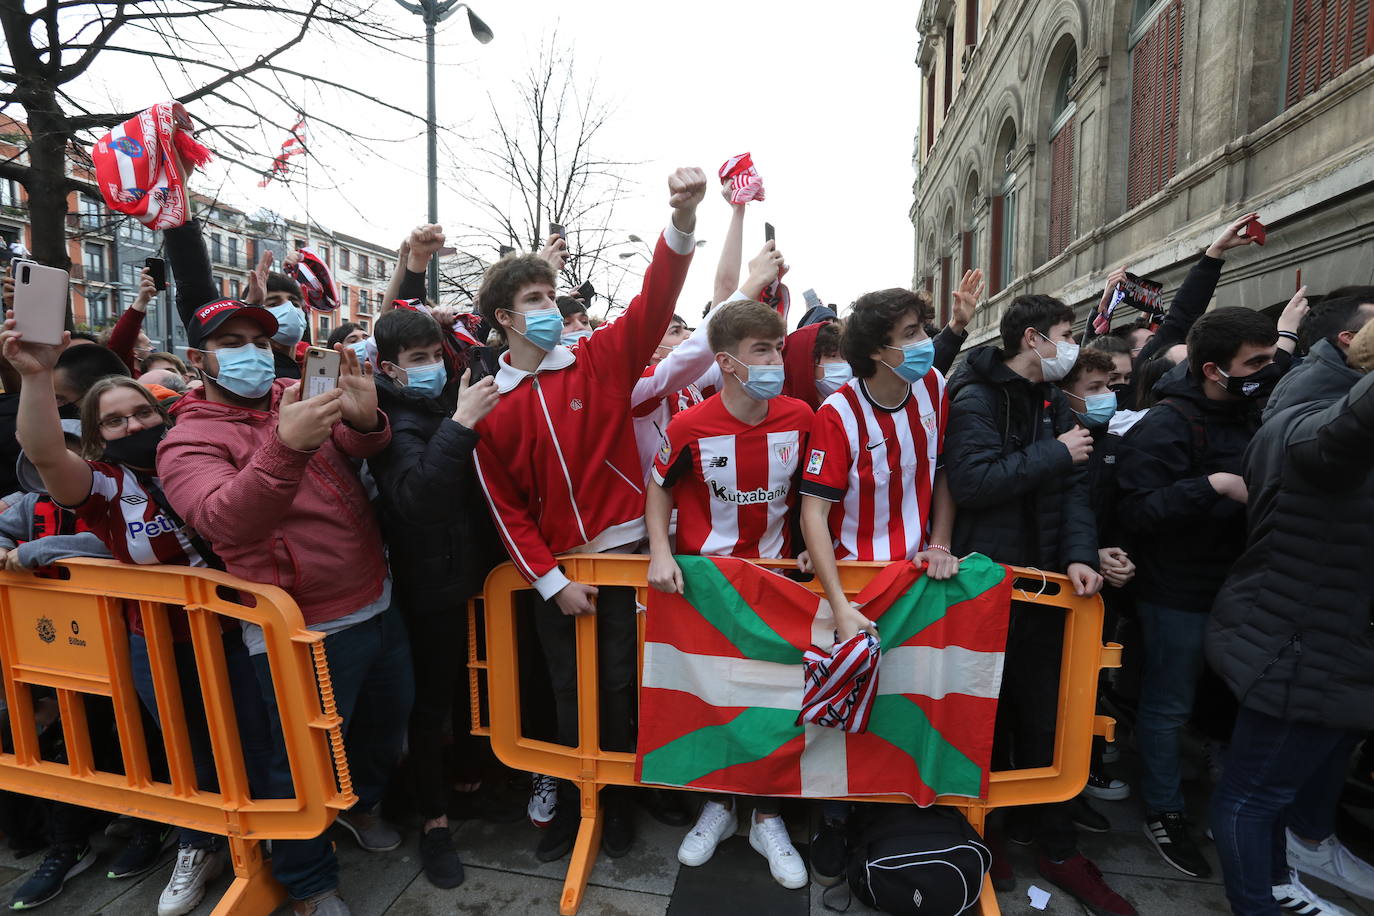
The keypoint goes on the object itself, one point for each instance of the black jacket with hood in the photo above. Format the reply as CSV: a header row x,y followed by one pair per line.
x,y
1182,533
1021,499
1291,632
439,535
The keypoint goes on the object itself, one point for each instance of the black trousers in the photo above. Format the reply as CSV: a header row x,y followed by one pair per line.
x,y
438,652
1027,712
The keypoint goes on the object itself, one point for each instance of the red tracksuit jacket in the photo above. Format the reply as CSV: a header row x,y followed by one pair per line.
x,y
557,457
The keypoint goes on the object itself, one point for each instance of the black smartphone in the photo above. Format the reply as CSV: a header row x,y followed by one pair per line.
x,y
555,229
586,291
768,232
158,268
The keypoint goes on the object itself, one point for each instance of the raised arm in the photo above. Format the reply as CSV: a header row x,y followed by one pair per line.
x,y
66,476
191,270
731,253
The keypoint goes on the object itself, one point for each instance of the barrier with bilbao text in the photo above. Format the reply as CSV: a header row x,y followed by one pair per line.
x,y
64,637
494,670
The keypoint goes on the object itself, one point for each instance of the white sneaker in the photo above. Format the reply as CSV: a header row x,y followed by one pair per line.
x,y
770,840
715,823
543,799
195,868
1296,897
1334,864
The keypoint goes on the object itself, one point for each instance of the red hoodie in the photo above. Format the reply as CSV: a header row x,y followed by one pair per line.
x,y
799,365
275,515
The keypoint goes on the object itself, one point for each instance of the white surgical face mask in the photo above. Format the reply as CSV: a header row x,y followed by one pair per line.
x,y
836,374
1061,363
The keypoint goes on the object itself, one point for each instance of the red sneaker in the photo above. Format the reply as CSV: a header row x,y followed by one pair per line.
x,y
1080,879
1003,878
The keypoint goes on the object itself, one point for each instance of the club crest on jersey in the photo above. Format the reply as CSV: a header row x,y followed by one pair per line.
x,y
575,404
814,463
930,422
785,451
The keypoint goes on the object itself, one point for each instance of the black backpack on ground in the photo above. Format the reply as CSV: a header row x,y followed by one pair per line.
x,y
912,861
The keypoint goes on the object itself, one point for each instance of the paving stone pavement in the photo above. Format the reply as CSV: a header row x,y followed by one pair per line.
x,y
503,877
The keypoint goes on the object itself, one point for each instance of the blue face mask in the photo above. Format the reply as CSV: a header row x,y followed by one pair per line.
x,y
290,324
360,348
246,371
764,383
917,358
569,339
543,327
427,380
836,374
1098,408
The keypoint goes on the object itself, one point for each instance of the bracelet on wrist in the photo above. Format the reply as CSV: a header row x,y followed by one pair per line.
x,y
940,547
1289,335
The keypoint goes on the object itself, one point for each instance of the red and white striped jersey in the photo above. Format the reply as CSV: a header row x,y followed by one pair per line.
x,y
733,482
123,512
877,465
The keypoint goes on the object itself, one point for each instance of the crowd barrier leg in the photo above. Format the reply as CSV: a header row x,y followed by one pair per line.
x,y
591,769
253,891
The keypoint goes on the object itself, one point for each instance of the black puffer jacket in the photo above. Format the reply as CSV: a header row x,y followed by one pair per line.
x,y
1290,632
1183,535
439,536
1323,376
1020,498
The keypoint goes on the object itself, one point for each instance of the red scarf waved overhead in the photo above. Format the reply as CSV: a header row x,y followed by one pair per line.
x,y
138,166
744,180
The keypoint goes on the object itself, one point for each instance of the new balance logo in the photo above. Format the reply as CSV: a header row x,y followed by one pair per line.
x,y
718,461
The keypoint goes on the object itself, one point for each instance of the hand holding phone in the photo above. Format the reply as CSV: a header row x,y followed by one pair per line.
x,y
768,232
321,372
556,229
158,268
1255,230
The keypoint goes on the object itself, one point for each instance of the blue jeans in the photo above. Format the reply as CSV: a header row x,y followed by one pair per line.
x,y
1168,687
249,711
374,689
1278,774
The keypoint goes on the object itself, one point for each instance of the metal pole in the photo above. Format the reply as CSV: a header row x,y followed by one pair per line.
x,y
432,139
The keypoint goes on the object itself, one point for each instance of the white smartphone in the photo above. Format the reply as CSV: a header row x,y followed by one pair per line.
x,y
321,372
40,301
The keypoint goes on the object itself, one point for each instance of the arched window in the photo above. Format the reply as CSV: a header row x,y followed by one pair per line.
x,y
946,265
971,237
1156,64
1003,207
1061,154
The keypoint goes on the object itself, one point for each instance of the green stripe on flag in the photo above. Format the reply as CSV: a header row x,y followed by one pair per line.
x,y
943,767
752,735
716,599
929,600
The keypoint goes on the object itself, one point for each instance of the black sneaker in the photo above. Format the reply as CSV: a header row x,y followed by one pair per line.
x,y
665,806
439,859
1169,833
829,854
61,864
618,827
556,840
1086,817
146,846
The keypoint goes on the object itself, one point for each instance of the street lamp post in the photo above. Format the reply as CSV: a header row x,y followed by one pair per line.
x,y
435,12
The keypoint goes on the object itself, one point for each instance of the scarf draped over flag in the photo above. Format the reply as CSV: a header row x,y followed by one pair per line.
x,y
138,166
724,681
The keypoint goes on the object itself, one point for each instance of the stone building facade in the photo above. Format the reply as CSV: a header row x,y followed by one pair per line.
x,y
1062,138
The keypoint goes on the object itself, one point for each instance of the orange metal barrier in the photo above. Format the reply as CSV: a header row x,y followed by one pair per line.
x,y
591,768
69,634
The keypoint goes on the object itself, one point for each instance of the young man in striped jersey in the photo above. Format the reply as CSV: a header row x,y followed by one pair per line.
x,y
730,463
873,487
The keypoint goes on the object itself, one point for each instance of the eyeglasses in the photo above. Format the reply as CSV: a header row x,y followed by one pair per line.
x,y
120,422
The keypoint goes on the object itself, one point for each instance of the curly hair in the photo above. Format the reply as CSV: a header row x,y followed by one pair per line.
x,y
504,279
871,320
1089,360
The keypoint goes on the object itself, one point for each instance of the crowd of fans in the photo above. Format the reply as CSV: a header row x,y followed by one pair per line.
x,y
1205,470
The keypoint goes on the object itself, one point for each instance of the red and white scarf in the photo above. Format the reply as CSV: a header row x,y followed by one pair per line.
x,y
138,170
317,283
841,684
744,180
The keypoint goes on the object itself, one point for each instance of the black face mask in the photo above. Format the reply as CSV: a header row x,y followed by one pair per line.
x,y
1120,388
1257,384
69,411
136,450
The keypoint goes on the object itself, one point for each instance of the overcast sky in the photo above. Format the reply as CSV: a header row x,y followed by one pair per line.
x,y
823,94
